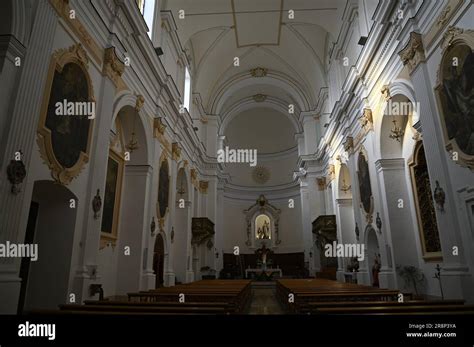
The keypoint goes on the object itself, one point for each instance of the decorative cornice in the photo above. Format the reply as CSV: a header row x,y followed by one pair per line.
x,y
414,52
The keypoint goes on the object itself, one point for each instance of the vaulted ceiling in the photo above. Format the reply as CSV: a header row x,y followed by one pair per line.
x,y
261,34
290,54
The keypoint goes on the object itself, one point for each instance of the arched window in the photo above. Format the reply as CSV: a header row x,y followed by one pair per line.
x,y
428,227
187,89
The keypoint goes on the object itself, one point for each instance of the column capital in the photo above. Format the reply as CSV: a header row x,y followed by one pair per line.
x,y
414,52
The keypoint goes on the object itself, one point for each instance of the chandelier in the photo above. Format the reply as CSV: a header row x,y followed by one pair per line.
x,y
132,145
397,132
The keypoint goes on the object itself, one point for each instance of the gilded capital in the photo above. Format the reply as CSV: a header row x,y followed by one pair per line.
x,y
414,52
113,67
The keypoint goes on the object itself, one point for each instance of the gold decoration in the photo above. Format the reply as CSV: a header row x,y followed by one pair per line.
x,y
386,92
349,145
457,44
176,151
259,72
158,126
321,181
113,67
414,52
77,55
331,172
259,97
194,179
139,103
443,17
366,119
203,186
63,9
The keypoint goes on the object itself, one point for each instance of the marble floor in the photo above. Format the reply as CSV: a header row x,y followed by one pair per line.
x,y
264,299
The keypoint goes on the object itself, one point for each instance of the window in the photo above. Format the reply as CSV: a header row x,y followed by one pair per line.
x,y
147,8
187,89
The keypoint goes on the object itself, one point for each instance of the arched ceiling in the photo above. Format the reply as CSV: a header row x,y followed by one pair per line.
x,y
263,129
260,34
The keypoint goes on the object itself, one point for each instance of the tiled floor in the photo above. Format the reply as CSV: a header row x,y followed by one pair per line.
x,y
264,301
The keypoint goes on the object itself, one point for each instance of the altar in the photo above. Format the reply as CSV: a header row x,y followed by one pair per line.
x,y
262,273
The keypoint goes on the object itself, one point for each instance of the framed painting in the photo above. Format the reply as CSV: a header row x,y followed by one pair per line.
x,y
365,188
68,110
455,94
112,196
163,189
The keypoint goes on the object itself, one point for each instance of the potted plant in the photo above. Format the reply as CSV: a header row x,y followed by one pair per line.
x,y
411,275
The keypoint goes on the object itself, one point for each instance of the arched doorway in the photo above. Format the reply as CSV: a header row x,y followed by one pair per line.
x,y
51,225
159,260
373,255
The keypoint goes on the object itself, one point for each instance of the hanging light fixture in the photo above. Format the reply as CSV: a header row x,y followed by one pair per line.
x,y
132,145
181,190
397,132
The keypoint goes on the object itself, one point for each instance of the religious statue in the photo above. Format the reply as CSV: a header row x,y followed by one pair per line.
x,y
263,254
375,270
263,232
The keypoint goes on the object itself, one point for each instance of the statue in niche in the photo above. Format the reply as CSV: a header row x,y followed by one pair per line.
x,y
262,225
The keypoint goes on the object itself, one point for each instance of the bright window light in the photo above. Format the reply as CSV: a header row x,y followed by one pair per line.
x,y
187,89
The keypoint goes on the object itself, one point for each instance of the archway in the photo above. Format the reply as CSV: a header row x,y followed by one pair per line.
x,y
133,214
51,226
396,143
372,254
182,231
159,260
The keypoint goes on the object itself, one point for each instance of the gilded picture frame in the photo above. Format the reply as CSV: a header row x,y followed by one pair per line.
x,y
61,173
455,94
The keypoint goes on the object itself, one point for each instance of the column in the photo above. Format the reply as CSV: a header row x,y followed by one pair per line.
x,y
22,134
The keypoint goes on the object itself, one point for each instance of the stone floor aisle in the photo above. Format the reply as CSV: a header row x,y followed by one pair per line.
x,y
264,299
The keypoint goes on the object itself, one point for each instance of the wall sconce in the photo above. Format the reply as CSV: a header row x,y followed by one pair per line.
x,y
378,223
217,253
152,226
397,132
310,254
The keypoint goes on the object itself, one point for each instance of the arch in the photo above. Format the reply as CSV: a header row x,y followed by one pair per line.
x,y
373,250
248,103
45,283
128,101
243,80
344,185
401,90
